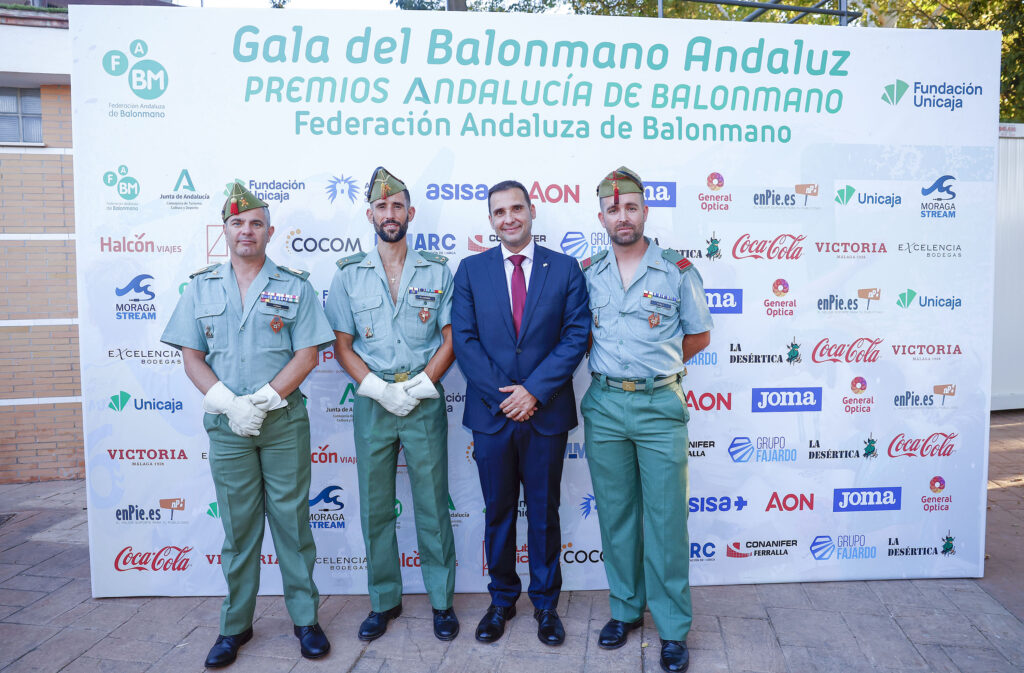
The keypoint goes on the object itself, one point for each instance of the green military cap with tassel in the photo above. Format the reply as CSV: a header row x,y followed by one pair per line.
x,y
240,200
382,185
620,181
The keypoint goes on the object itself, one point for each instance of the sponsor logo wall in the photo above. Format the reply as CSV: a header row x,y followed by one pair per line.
x,y
839,207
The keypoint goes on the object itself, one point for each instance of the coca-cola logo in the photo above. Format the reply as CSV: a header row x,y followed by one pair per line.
x,y
169,558
863,349
935,445
783,246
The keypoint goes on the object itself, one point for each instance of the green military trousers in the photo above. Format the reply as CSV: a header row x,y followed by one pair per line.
x,y
637,449
266,476
424,435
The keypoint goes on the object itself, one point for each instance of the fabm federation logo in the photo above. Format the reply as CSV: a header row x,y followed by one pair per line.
x,y
845,548
147,79
347,188
937,502
941,203
870,499
935,445
760,548
859,351
135,300
764,400
723,503
893,93
325,508
784,247
724,300
767,449
714,199
126,186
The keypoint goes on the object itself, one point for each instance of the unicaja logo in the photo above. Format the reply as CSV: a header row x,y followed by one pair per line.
x,y
118,402
894,92
146,78
906,298
844,195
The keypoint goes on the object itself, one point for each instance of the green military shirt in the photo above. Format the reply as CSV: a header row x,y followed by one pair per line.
x,y
247,345
392,336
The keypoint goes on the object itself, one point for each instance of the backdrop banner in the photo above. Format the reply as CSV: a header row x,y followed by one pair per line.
x,y
835,187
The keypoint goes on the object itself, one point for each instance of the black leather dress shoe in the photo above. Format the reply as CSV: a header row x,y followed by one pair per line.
x,y
675,658
312,641
549,627
446,624
615,633
225,649
376,623
492,626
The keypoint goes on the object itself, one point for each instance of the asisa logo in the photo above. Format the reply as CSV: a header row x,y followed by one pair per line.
x,y
906,300
872,499
941,203
785,399
724,301
723,503
147,79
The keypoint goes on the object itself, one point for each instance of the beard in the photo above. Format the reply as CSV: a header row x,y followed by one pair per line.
x,y
626,237
383,235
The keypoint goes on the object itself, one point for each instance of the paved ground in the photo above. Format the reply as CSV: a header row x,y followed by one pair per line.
x,y
49,622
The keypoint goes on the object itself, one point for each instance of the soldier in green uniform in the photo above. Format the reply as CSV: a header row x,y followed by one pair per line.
x,y
249,332
650,316
391,314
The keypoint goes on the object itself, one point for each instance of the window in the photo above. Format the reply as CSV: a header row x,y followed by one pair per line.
x,y
21,116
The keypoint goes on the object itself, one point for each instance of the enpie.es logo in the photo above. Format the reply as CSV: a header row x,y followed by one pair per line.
x,y
125,185
893,93
146,78
844,195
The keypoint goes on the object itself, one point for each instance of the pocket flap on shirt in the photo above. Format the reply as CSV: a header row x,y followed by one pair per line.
x,y
366,303
207,310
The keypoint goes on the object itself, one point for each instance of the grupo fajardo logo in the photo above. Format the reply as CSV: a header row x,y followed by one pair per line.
x,y
906,300
779,307
860,351
942,196
836,304
147,79
870,499
704,358
935,445
850,249
135,299
724,300
170,558
714,199
785,399
937,502
869,198
763,449
325,508
120,402
784,247
786,198
845,547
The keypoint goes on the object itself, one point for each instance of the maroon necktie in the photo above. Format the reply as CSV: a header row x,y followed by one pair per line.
x,y
518,290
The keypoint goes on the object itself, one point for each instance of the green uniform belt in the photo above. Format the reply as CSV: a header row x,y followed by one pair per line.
x,y
636,385
398,377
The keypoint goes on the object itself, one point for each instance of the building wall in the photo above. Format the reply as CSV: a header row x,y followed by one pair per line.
x,y
40,389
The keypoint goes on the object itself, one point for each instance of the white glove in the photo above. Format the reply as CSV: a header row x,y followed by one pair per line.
x,y
244,418
391,396
421,387
267,399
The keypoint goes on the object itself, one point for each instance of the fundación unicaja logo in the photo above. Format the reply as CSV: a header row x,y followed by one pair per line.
x,y
146,78
906,298
894,92
126,186
119,402
844,195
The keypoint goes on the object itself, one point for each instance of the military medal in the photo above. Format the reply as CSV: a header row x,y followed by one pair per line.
x,y
654,320
368,333
276,324
596,323
424,315
209,332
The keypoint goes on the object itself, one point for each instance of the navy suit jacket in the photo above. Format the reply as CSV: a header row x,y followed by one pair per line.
x,y
552,338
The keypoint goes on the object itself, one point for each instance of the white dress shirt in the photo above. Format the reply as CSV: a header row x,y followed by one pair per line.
x,y
527,265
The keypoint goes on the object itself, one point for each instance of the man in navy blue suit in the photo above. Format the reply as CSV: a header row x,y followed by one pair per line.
x,y
520,323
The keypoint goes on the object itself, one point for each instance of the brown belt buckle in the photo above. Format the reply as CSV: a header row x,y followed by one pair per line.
x,y
401,377
629,386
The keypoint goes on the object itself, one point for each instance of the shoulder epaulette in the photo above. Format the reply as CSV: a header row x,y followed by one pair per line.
x,y
433,257
351,259
205,269
677,259
586,264
295,272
